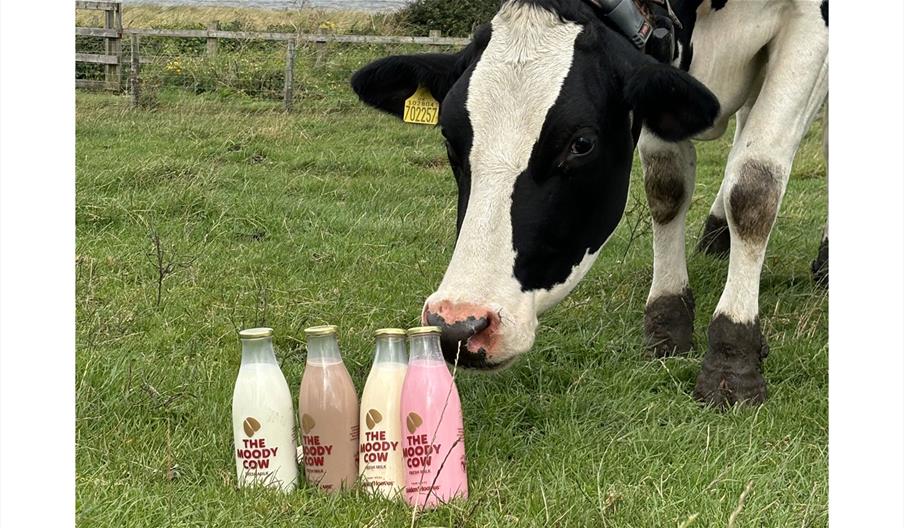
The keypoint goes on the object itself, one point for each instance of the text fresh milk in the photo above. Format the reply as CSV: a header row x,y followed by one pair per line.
x,y
263,419
380,464
433,446
328,412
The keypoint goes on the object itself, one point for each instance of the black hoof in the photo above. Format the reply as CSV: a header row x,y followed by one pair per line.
x,y
732,369
715,239
669,324
820,266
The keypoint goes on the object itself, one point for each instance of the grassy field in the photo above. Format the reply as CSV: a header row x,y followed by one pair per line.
x,y
337,214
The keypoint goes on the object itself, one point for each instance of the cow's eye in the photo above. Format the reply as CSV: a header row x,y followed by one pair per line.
x,y
581,146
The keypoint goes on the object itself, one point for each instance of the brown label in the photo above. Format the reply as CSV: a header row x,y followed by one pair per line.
x,y
413,422
373,418
251,426
307,423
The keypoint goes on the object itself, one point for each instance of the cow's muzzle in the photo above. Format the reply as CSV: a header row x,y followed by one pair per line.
x,y
469,333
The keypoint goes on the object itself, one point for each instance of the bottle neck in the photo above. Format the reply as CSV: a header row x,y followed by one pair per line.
x,y
258,350
390,349
425,347
323,349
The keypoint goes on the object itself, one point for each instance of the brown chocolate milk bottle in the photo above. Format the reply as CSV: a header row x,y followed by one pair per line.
x,y
328,411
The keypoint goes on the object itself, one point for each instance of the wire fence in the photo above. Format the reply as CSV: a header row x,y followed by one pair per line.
x,y
255,68
291,67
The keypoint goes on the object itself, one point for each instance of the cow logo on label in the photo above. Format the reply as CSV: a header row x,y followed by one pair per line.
x,y
307,423
373,418
251,426
413,422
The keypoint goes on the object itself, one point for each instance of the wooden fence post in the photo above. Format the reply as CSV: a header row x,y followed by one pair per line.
x,y
113,46
212,42
134,79
288,93
321,48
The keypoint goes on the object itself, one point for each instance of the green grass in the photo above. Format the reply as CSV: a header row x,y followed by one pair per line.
x,y
337,214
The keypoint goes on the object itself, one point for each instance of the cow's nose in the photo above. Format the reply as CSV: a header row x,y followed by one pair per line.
x,y
467,331
460,330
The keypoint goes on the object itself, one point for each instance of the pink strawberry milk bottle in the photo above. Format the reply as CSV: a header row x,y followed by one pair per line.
x,y
433,448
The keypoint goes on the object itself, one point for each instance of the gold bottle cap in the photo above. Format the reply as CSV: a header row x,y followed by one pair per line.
x,y
389,332
255,333
321,330
421,330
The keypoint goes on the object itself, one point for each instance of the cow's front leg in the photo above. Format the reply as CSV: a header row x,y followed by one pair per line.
x,y
669,170
732,367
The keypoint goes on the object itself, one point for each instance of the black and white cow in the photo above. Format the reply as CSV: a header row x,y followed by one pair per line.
x,y
538,113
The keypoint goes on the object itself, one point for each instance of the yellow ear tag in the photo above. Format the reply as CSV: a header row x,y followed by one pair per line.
x,y
421,108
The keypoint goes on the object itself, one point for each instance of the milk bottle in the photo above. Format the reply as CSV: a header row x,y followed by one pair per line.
x,y
433,446
263,419
328,411
380,454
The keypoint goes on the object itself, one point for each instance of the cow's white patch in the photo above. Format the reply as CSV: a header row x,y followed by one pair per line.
x,y
513,86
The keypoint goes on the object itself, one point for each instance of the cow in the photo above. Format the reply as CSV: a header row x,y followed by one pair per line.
x,y
541,114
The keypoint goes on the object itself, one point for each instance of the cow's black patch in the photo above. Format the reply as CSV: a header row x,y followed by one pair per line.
x,y
564,206
824,9
718,4
671,103
686,11
458,144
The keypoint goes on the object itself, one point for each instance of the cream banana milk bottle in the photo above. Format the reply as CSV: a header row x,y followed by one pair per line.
x,y
380,455
433,447
328,411
263,419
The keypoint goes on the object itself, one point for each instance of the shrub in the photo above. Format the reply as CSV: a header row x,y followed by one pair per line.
x,y
456,18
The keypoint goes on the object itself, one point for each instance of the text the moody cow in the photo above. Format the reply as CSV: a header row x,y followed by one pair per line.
x,y
541,113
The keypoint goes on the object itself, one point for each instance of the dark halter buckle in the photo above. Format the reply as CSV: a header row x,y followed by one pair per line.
x,y
648,31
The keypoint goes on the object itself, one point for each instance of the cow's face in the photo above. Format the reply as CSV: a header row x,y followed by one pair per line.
x,y
537,116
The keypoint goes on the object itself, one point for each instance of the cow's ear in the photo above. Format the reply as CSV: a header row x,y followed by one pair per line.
x,y
385,84
671,103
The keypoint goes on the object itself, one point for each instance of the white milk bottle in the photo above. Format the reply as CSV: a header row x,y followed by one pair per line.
x,y
380,455
263,418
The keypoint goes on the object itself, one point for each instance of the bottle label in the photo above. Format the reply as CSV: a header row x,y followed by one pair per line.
x,y
315,450
318,452
420,455
260,460
376,449
255,455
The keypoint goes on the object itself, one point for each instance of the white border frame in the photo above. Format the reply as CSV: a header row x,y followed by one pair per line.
x,y
866,354
37,286
37,273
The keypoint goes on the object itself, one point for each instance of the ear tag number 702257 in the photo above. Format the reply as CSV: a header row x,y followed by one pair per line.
x,y
421,108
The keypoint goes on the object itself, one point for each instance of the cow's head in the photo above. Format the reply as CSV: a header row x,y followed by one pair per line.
x,y
537,114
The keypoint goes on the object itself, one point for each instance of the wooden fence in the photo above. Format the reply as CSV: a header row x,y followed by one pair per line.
x,y
113,34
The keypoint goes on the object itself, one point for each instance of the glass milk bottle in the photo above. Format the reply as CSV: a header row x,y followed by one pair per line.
x,y
328,408
263,419
380,456
433,446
